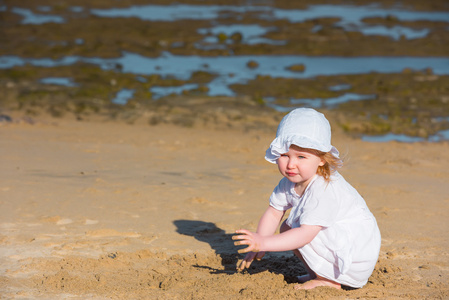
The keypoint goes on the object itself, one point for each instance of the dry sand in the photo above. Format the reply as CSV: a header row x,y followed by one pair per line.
x,y
109,210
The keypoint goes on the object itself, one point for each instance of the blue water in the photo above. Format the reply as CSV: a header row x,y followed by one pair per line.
x,y
438,137
233,69
174,12
251,34
317,102
348,14
64,81
332,102
395,32
340,87
162,91
31,18
123,96
392,137
351,17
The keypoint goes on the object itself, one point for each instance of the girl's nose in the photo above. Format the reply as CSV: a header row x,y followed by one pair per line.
x,y
290,164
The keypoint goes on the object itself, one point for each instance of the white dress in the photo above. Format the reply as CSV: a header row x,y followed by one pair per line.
x,y
347,248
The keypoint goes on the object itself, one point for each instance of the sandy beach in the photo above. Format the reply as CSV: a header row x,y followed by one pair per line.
x,y
108,210
133,134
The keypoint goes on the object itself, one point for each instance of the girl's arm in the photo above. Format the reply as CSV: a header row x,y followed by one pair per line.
x,y
269,221
289,240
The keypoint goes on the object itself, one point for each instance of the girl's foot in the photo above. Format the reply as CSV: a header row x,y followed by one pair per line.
x,y
319,281
304,278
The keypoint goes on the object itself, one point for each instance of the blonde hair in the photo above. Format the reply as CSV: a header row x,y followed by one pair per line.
x,y
331,165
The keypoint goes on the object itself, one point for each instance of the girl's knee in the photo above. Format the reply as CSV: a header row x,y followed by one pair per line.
x,y
284,227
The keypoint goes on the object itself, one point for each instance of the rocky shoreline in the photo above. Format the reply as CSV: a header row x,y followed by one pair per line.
x,y
411,102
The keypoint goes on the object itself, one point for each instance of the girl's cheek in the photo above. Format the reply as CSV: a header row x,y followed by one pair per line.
x,y
281,160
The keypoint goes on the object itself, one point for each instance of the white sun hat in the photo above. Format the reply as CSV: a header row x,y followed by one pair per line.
x,y
305,128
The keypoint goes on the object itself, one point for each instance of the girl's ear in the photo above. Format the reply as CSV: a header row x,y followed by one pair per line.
x,y
322,162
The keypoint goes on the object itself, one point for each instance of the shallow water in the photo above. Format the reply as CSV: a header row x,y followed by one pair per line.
x,y
250,34
317,102
332,102
58,81
351,17
123,96
349,14
233,69
162,91
174,12
31,18
438,137
395,32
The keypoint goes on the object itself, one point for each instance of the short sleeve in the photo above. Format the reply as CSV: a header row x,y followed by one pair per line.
x,y
321,206
279,198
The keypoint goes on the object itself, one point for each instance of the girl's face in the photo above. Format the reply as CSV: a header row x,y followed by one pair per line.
x,y
299,165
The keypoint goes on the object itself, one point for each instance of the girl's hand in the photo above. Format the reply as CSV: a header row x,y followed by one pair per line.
x,y
246,262
246,237
254,241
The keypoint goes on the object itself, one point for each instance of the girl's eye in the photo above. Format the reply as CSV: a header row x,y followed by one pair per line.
x,y
300,156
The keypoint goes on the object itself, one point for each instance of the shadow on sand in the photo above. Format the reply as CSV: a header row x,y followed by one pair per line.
x,y
284,263
217,238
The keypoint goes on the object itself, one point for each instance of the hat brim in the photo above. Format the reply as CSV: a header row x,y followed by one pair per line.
x,y
281,145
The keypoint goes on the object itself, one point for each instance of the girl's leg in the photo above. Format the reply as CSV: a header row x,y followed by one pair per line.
x,y
310,274
311,279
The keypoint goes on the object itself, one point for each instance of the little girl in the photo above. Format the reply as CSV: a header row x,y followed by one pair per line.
x,y
329,227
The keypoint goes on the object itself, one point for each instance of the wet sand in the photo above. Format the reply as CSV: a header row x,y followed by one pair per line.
x,y
103,209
